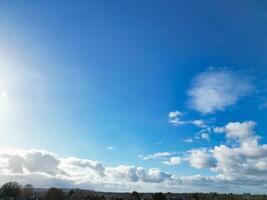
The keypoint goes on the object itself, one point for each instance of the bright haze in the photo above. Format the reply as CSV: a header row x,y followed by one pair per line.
x,y
134,95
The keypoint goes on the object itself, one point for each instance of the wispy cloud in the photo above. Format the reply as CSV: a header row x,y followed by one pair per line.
x,y
199,123
176,118
202,134
110,148
205,136
215,90
263,105
173,161
156,155
168,158
3,94
188,140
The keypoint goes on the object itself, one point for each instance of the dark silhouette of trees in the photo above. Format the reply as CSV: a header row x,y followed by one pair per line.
x,y
28,191
14,191
55,194
71,192
159,196
134,196
10,189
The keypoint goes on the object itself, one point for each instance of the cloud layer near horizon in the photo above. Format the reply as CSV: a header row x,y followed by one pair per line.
x,y
242,164
45,169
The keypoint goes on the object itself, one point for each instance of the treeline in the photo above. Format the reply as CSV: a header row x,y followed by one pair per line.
x,y
15,191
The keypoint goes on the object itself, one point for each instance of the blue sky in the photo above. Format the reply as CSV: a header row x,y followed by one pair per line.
x,y
162,86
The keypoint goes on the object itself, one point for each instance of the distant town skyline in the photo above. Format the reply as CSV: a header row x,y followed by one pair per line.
x,y
134,95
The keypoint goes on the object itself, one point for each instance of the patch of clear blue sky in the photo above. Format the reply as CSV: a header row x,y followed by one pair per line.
x,y
114,69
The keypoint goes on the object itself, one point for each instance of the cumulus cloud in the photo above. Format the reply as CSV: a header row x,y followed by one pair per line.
x,y
72,165
242,164
135,174
122,172
45,169
201,158
240,131
244,160
214,90
17,161
153,175
246,157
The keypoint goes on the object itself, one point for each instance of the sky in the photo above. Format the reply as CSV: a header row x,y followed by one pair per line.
x,y
134,95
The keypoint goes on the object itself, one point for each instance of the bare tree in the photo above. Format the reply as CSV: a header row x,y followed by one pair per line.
x,y
28,191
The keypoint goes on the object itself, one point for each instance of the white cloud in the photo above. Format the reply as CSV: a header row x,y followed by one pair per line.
x,y
122,172
153,175
30,161
215,90
243,164
246,157
219,129
248,160
201,158
241,131
199,123
173,161
160,154
73,165
166,157
175,118
175,114
45,169
205,136
156,155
